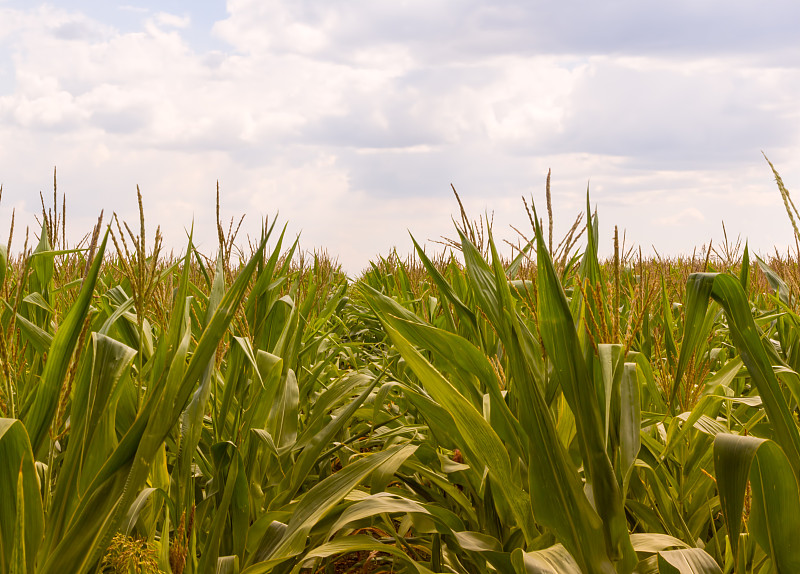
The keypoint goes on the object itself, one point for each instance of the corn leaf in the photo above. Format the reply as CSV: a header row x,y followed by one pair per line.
x,y
21,513
775,512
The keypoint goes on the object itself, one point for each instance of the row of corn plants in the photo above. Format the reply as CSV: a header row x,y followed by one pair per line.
x,y
469,413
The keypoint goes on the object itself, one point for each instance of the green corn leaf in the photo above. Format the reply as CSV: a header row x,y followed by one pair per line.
x,y
192,418
552,560
146,496
173,336
129,465
744,273
235,478
484,285
513,267
727,291
42,265
3,264
775,512
215,331
337,393
445,288
21,512
655,542
268,367
609,366
35,299
363,543
375,505
442,482
557,495
460,356
438,419
308,457
39,339
698,291
687,561
481,442
590,277
41,414
18,562
319,501
778,285
116,485
282,421
242,362
668,325
630,427
564,350
227,565
92,436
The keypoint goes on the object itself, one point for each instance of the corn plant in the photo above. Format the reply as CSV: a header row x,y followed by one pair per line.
x,y
460,413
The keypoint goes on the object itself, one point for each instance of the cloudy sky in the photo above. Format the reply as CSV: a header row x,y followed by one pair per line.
x,y
352,118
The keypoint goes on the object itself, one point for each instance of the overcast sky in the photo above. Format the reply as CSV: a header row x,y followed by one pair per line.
x,y
352,118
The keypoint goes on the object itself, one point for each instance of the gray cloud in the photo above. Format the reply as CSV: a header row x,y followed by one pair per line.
x,y
398,120
446,30
77,30
676,119
122,121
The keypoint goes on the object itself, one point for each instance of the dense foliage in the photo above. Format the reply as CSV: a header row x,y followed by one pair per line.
x,y
263,413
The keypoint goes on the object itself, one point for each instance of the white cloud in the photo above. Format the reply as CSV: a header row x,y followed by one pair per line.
x,y
352,118
133,9
684,218
172,20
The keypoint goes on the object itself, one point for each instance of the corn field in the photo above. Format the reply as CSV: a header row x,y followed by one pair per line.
x,y
259,412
